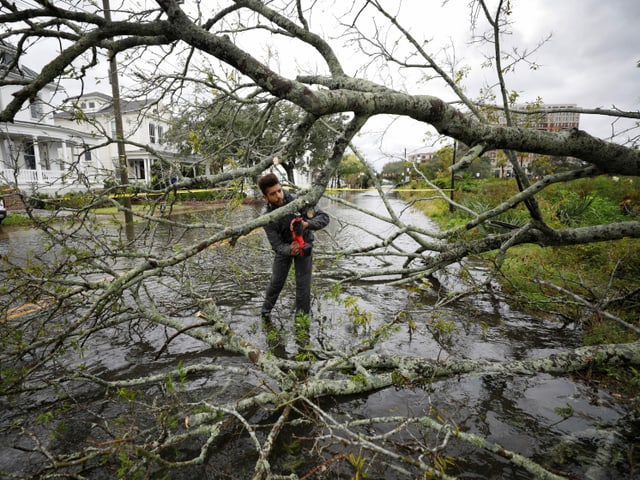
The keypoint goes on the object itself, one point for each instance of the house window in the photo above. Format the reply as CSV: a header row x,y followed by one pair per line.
x,y
160,133
138,169
30,156
36,108
152,133
87,155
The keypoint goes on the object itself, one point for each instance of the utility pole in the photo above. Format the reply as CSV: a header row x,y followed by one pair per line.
x,y
117,112
453,174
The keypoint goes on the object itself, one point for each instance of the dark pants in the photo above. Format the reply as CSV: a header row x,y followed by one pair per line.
x,y
280,270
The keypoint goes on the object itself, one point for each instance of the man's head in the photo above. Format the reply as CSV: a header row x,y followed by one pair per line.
x,y
271,189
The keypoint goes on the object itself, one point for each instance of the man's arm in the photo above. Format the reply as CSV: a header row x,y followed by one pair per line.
x,y
280,247
319,220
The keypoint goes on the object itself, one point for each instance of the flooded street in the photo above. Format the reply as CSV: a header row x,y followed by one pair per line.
x,y
555,420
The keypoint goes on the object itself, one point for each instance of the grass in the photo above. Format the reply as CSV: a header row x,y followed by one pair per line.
x,y
604,273
14,220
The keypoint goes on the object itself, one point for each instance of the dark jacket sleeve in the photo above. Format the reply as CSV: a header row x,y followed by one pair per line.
x,y
278,244
319,220
316,220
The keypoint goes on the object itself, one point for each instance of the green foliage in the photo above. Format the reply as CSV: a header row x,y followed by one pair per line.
x,y
359,378
546,165
292,451
15,220
302,324
573,208
442,329
436,209
442,462
395,171
130,467
355,313
398,379
44,418
302,329
590,201
272,336
231,133
600,331
362,321
630,205
169,380
517,217
358,462
127,394
595,270
628,377
126,464
167,421
335,292
352,173
182,374
565,411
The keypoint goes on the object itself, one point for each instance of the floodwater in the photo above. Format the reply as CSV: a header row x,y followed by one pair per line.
x,y
562,423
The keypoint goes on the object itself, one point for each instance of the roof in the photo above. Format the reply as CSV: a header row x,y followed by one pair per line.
x,y
126,106
9,63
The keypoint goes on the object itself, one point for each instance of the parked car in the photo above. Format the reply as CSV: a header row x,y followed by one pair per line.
x,y
3,211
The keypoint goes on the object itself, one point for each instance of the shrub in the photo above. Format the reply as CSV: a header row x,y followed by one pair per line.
x,y
573,208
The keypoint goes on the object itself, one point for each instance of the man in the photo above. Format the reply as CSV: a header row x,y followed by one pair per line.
x,y
281,236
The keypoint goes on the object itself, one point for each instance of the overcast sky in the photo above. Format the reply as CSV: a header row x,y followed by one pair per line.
x,y
590,59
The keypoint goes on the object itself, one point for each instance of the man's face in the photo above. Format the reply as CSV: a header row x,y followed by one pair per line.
x,y
274,195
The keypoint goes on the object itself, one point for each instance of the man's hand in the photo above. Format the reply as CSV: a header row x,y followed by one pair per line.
x,y
304,224
295,249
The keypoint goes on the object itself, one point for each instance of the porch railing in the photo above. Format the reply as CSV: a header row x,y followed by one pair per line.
x,y
31,177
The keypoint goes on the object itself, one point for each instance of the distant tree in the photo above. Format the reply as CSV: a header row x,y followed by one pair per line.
x,y
352,172
481,168
395,171
444,161
222,131
229,133
546,165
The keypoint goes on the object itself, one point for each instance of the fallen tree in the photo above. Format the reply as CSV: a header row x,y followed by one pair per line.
x,y
92,285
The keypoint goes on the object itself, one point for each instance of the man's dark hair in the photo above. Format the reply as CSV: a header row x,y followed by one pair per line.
x,y
267,181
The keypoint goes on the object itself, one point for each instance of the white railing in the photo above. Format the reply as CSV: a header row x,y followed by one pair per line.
x,y
31,177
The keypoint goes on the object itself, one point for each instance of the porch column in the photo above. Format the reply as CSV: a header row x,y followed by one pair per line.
x,y
36,153
65,155
6,155
147,169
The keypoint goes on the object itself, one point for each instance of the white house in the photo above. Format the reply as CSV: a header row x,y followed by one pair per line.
x,y
145,122
72,147
35,153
